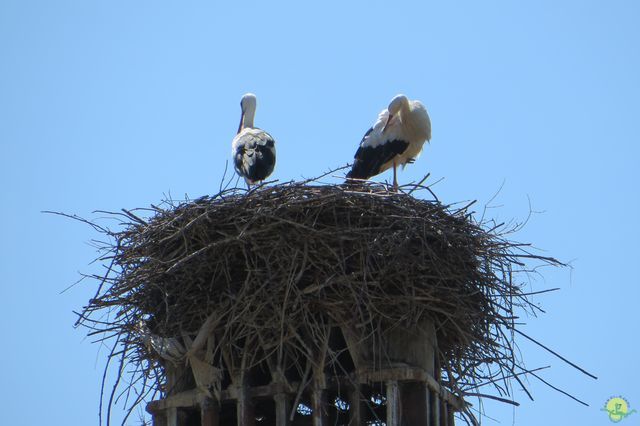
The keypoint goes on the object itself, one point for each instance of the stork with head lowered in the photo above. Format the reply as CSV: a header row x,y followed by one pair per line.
x,y
396,139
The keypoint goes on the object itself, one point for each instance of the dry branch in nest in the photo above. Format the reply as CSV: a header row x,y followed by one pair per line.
x,y
267,272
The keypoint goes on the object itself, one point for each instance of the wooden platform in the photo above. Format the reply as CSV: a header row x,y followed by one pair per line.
x,y
390,383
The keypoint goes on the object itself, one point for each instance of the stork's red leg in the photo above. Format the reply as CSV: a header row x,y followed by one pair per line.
x,y
395,177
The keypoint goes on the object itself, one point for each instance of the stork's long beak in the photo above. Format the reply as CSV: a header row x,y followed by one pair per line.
x,y
241,122
384,129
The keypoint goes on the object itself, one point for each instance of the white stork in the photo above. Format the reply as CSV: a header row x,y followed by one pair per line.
x,y
395,139
253,149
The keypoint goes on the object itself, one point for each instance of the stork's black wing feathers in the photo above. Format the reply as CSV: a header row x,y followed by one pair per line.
x,y
265,161
255,158
370,159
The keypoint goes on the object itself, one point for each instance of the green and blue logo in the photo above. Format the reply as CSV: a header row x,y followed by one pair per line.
x,y
617,408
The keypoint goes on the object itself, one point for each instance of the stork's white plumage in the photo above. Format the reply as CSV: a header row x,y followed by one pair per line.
x,y
395,139
253,149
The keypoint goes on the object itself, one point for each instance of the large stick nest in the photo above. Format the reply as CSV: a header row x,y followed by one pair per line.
x,y
274,266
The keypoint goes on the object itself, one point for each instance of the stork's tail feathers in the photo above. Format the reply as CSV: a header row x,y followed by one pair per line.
x,y
355,177
358,171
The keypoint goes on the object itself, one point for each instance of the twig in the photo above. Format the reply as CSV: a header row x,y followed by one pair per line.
x,y
554,353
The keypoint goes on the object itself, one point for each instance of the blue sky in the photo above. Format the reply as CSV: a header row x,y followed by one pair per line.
x,y
105,105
